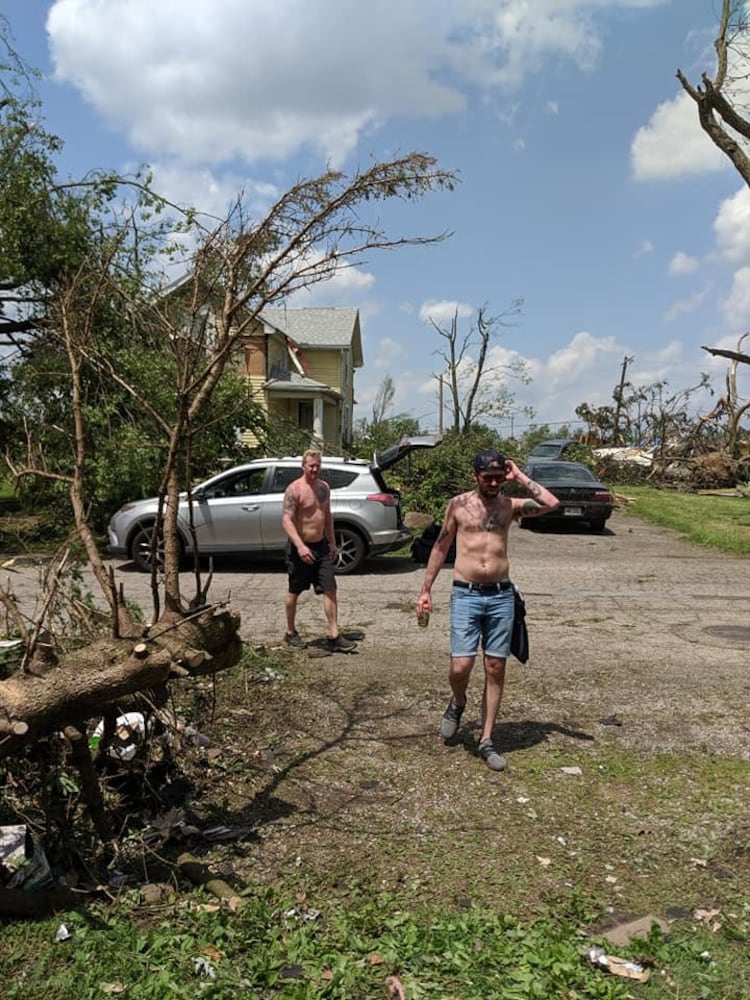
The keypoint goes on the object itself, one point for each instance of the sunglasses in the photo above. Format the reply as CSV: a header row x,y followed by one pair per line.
x,y
492,477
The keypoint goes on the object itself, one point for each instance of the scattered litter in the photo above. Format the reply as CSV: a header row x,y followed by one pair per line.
x,y
562,841
228,833
699,862
302,916
610,720
63,934
522,800
34,873
572,770
113,988
130,731
618,966
13,845
709,918
544,862
203,968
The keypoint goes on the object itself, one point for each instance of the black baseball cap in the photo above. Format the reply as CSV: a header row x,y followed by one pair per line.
x,y
484,460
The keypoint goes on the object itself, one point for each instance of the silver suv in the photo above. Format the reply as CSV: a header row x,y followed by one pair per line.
x,y
239,511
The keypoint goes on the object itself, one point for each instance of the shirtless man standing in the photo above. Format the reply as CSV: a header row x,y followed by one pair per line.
x,y
311,551
482,598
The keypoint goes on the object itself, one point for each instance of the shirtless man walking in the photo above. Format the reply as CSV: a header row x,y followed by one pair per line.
x,y
311,550
482,598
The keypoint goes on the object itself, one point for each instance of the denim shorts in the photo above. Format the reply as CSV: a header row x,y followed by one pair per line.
x,y
485,618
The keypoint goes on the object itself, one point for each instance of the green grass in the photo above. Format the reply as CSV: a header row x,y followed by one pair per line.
x,y
344,946
718,522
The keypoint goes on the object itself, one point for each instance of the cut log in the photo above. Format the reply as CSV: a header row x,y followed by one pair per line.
x,y
197,872
88,681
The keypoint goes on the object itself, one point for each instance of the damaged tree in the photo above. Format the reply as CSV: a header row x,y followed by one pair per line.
x,y
477,388
730,408
721,101
720,98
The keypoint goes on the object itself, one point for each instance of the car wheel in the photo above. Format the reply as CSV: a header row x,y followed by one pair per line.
x,y
140,550
352,550
597,524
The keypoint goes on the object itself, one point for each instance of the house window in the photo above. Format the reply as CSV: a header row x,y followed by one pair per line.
x,y
305,415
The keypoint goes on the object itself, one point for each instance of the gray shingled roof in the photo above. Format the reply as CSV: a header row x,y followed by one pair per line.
x,y
323,327
301,383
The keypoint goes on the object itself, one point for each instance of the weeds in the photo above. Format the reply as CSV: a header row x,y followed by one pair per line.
x,y
281,947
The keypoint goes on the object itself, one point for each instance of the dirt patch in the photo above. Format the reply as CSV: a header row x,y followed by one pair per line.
x,y
638,682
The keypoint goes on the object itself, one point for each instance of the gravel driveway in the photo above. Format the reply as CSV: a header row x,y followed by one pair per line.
x,y
632,623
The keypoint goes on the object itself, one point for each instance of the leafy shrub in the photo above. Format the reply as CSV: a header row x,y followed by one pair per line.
x,y
430,477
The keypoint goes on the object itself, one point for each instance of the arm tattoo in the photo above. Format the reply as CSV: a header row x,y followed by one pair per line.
x,y
530,507
290,503
534,488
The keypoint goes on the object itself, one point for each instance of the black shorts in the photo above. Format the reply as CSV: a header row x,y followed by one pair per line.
x,y
318,574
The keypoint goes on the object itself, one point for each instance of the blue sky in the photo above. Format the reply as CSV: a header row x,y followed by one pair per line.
x,y
587,187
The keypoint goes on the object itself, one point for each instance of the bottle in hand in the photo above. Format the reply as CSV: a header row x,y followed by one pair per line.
x,y
423,614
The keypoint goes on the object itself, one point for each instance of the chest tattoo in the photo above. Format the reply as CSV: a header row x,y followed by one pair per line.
x,y
491,523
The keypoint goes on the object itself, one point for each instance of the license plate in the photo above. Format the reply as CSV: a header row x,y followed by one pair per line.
x,y
572,512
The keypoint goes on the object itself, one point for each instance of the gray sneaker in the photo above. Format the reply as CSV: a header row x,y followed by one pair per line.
x,y
294,639
494,760
451,720
340,645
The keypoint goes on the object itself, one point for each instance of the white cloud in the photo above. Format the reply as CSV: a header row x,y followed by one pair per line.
x,y
683,263
262,80
736,307
684,306
732,228
388,354
582,354
442,311
214,192
645,248
673,144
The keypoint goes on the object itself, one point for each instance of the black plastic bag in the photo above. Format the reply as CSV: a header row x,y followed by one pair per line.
x,y
422,546
519,641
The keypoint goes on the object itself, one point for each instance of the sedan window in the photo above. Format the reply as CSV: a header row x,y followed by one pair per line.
x,y
555,472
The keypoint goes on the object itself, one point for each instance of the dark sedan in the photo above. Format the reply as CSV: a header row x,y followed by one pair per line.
x,y
582,497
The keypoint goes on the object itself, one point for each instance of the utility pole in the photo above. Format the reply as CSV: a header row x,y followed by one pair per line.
x,y
618,399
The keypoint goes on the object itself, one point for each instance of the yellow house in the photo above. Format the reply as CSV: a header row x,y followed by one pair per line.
x,y
300,363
